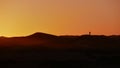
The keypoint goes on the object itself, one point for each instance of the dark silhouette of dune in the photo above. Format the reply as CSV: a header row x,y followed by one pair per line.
x,y
41,35
46,50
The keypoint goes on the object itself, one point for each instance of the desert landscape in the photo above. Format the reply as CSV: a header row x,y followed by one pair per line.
x,y
46,50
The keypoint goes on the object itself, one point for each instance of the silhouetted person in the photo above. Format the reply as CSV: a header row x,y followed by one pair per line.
x,y
89,33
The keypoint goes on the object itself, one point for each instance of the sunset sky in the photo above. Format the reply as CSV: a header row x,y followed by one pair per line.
x,y
59,17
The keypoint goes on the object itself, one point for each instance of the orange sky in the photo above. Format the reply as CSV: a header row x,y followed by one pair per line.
x,y
60,17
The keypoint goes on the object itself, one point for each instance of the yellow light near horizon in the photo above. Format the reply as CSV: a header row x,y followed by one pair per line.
x,y
59,17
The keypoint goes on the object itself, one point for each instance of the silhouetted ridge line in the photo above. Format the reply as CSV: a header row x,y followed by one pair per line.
x,y
41,35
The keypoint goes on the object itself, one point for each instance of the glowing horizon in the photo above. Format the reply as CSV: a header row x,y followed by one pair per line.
x,y
59,17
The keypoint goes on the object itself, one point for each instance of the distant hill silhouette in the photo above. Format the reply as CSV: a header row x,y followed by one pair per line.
x,y
70,51
41,35
48,40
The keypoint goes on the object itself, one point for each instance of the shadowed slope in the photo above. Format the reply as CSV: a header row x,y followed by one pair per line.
x,y
85,50
72,42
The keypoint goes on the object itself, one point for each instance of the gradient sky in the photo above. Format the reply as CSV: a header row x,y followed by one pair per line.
x,y
60,17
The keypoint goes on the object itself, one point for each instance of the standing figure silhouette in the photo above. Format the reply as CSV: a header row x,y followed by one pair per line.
x,y
89,33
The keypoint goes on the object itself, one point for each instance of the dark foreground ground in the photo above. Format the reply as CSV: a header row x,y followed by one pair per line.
x,y
42,50
59,59
58,64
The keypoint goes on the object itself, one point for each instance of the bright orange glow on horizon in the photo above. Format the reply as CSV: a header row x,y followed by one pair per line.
x,y
59,17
